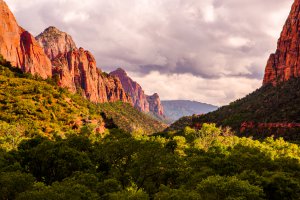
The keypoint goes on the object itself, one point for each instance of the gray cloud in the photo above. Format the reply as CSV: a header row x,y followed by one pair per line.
x,y
209,39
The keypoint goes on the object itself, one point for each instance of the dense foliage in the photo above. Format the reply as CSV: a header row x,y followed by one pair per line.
x,y
31,106
206,164
268,104
131,120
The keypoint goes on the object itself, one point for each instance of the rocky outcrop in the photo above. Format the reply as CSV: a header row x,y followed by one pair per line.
x,y
285,62
19,47
155,105
140,100
133,89
252,125
77,69
55,42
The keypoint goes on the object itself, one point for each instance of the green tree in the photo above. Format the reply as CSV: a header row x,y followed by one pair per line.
x,y
166,193
282,186
217,187
13,183
128,195
11,135
59,191
53,161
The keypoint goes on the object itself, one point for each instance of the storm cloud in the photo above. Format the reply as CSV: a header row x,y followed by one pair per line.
x,y
210,50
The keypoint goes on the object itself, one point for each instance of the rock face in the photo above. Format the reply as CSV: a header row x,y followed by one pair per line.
x,y
285,62
140,100
133,89
77,69
20,47
155,105
55,42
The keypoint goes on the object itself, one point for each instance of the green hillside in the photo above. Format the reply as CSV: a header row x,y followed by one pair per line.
x,y
31,106
268,104
130,119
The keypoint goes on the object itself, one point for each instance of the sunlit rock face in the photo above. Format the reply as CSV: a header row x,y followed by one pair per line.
x,y
55,42
77,70
19,47
285,62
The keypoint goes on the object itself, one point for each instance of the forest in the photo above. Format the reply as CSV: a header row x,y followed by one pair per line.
x,y
210,163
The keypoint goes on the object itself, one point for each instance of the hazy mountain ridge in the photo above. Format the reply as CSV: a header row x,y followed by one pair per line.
x,y
175,109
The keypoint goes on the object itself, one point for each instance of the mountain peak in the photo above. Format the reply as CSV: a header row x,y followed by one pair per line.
x,y
77,68
120,71
155,95
52,28
55,42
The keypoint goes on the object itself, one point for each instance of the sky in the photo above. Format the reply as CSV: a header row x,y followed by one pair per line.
x,y
212,51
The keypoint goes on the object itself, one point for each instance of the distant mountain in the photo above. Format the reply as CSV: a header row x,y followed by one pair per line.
x,y
175,109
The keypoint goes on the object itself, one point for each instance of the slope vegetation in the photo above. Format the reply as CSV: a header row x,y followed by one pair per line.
x,y
32,106
270,110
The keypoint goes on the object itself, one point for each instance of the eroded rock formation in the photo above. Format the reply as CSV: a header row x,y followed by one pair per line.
x,y
77,69
285,62
140,100
155,105
133,89
19,47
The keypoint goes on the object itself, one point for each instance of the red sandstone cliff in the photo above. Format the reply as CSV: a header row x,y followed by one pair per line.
x,y
140,100
77,69
285,62
133,89
20,47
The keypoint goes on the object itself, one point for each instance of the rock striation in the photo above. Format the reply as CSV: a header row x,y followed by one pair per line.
x,y
140,100
77,70
284,64
19,47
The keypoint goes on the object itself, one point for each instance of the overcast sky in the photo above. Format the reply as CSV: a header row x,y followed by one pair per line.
x,y
213,51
